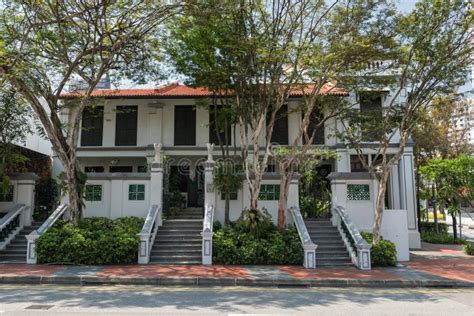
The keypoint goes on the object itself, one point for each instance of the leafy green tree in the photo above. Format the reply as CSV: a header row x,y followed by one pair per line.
x,y
430,59
47,45
455,178
14,127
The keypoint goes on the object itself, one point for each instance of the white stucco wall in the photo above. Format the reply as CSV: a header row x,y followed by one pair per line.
x,y
115,202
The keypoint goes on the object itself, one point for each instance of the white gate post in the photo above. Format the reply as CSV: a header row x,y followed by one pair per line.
x,y
210,191
156,181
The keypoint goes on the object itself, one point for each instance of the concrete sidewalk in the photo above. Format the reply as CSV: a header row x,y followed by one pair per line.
x,y
433,266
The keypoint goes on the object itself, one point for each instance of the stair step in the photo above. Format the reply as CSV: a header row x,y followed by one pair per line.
x,y
166,262
13,251
20,255
178,235
180,246
177,251
170,230
179,240
335,254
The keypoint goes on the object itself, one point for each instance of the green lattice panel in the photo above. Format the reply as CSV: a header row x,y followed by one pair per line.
x,y
358,192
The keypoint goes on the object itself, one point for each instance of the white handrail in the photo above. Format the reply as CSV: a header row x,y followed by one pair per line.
x,y
207,233
11,215
148,234
360,257
31,250
308,246
52,219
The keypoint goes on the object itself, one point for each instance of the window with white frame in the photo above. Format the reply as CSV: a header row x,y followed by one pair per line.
x,y
93,192
269,192
136,192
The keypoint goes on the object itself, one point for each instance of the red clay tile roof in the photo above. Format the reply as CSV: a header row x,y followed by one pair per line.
x,y
176,90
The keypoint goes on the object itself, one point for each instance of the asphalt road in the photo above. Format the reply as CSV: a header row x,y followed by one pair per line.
x,y
127,300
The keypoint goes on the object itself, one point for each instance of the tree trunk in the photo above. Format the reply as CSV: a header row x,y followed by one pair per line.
x,y
227,208
380,203
455,230
75,206
435,212
283,201
253,200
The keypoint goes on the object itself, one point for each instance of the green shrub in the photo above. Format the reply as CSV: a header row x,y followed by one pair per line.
x,y
440,238
469,248
383,254
253,239
94,241
430,227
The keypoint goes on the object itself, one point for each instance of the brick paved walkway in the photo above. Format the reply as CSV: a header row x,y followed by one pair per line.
x,y
435,265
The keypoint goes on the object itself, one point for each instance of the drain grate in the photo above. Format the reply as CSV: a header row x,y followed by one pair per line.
x,y
40,307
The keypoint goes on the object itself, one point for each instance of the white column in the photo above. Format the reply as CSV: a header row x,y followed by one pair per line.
x,y
395,187
343,163
25,186
155,122
408,196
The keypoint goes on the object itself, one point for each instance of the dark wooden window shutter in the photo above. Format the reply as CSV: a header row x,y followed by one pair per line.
x,y
212,129
126,125
280,127
315,119
92,126
371,115
184,125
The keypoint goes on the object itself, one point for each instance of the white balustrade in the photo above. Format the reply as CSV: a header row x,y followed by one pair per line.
x,y
12,223
357,246
148,234
308,246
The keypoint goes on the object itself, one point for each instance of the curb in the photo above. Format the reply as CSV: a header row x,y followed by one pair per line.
x,y
232,282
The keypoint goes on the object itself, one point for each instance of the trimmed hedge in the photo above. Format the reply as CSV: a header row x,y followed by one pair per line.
x,y
440,238
430,227
254,239
469,248
94,241
384,254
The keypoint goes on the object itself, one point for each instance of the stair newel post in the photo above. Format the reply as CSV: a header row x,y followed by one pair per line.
x,y
209,204
31,257
363,255
156,182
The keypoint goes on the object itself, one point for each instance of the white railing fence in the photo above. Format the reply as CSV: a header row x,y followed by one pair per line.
x,y
308,246
148,234
31,257
357,246
11,224
206,234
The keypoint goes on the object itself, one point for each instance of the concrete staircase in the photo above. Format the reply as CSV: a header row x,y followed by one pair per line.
x,y
179,240
15,252
331,250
